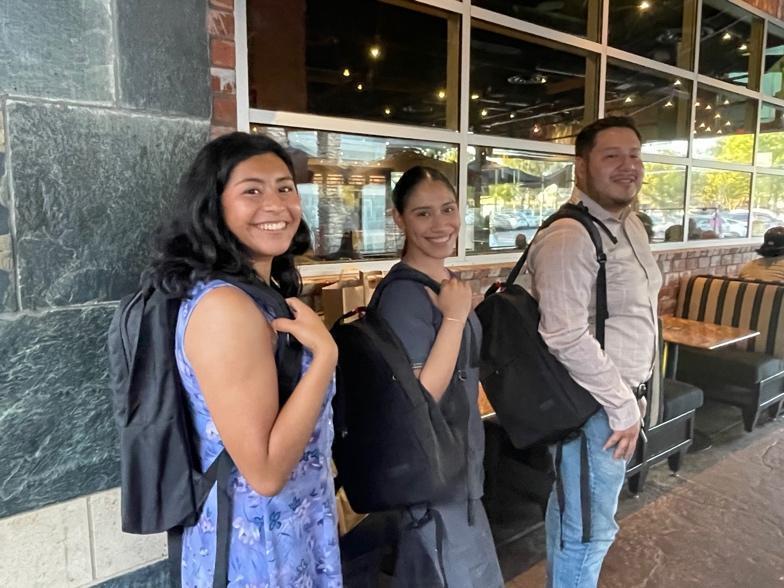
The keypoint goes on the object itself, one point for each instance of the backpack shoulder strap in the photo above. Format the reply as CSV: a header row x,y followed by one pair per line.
x,y
403,272
288,351
262,293
580,213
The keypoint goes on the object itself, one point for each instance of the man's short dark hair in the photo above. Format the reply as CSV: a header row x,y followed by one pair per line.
x,y
587,137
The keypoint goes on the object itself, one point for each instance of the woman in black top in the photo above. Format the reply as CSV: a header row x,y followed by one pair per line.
x,y
432,328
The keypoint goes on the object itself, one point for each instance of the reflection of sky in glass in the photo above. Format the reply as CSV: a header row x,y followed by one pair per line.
x,y
770,148
768,208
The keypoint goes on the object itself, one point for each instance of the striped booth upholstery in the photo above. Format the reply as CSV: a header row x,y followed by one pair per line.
x,y
750,374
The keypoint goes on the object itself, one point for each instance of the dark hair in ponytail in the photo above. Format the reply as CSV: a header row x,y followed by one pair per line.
x,y
195,244
410,180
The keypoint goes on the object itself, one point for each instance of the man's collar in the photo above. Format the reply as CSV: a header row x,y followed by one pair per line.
x,y
596,209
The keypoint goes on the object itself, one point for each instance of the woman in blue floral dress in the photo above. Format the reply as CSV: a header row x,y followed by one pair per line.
x,y
239,214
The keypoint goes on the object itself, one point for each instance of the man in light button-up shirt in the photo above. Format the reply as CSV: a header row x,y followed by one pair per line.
x,y
561,275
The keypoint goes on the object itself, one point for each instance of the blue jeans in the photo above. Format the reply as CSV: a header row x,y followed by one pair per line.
x,y
578,564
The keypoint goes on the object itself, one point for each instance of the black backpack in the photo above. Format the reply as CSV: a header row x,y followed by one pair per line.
x,y
162,485
534,397
394,444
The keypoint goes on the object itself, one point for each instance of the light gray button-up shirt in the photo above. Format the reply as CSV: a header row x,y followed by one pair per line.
x,y
560,274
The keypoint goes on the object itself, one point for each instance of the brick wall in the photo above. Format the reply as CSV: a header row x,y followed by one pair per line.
x,y
220,24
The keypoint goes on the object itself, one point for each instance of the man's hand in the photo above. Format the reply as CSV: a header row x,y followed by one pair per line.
x,y
624,441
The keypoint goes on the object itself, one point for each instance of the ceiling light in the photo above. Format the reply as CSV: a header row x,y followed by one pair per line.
x,y
708,130
727,124
668,104
387,111
346,73
628,100
536,129
702,125
677,83
726,102
484,112
474,96
743,47
717,115
375,52
726,37
511,115
644,5
708,107
441,94
697,104
360,87
719,132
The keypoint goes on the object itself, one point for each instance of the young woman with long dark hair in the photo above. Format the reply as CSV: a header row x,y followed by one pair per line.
x,y
446,541
238,213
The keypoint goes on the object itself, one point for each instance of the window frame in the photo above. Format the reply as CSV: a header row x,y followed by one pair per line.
x,y
462,138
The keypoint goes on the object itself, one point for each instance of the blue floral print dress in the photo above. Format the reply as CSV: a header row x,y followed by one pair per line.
x,y
286,541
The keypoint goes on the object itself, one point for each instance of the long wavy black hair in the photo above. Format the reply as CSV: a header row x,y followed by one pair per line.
x,y
195,244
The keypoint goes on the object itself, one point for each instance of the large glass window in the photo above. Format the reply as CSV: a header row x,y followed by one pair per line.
x,y
768,210
366,59
724,125
364,89
661,201
660,105
770,148
509,194
530,88
346,182
661,30
719,204
772,83
578,17
730,43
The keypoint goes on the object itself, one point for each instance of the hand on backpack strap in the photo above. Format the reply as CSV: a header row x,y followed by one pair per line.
x,y
308,328
454,301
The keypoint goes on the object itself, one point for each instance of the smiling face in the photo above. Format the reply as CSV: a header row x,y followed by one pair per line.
x,y
261,207
611,172
430,221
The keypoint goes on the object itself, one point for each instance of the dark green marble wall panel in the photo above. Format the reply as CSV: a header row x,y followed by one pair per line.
x,y
89,187
164,56
57,49
58,435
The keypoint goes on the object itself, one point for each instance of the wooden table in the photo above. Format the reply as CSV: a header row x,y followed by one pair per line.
x,y
680,331
485,408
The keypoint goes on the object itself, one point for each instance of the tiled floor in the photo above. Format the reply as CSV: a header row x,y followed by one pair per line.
x,y
719,523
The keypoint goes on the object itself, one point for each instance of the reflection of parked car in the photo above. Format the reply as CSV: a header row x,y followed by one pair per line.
x,y
510,219
761,219
720,223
